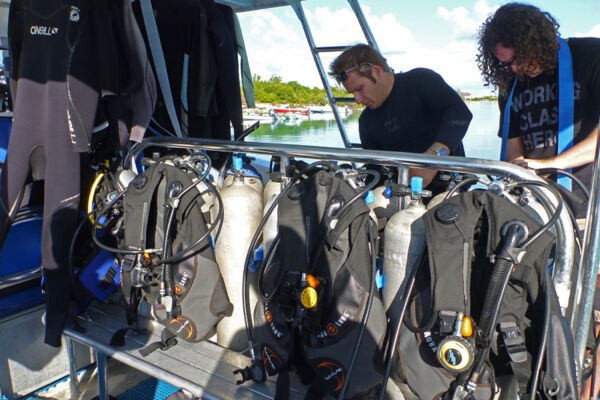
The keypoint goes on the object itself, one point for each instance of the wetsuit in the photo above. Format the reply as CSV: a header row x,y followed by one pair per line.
x,y
199,44
421,109
62,59
534,108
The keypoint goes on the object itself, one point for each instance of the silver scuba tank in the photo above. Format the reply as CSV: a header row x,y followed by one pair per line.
x,y
243,208
532,206
273,186
437,199
404,242
251,177
270,229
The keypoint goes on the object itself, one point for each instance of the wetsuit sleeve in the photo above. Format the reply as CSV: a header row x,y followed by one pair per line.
x,y
442,100
366,137
15,27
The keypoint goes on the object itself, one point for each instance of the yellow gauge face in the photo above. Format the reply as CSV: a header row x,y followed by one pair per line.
x,y
454,355
309,297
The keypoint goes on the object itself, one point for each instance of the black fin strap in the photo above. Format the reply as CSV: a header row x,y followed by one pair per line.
x,y
118,338
315,391
167,340
282,386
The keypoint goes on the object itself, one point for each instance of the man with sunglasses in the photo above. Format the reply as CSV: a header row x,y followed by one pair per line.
x,y
520,55
415,111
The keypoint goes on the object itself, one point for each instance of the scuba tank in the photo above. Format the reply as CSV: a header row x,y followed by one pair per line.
x,y
404,241
242,207
270,229
250,175
532,206
275,182
453,179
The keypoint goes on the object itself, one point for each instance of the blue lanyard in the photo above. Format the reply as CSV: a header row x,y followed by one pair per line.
x,y
566,99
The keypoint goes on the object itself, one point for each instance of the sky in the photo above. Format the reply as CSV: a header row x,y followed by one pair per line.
x,y
440,35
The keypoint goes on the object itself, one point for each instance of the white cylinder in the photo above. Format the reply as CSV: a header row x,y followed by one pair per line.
x,y
381,204
243,208
255,183
437,199
270,229
271,188
534,208
404,241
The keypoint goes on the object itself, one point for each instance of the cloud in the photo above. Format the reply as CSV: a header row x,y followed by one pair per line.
x,y
594,32
276,44
465,27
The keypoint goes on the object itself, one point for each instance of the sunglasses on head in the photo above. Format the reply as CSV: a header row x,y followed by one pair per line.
x,y
343,75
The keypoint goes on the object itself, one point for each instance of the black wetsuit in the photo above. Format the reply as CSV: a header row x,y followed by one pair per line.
x,y
207,98
63,56
534,108
421,109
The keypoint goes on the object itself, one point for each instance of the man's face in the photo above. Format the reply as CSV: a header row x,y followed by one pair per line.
x,y
365,91
506,56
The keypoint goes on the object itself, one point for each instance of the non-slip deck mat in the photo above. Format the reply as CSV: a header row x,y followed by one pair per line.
x,y
149,389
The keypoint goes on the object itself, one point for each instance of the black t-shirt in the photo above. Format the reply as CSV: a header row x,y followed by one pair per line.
x,y
534,107
421,109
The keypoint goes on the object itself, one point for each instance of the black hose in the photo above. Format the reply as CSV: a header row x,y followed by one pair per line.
x,y
557,171
554,217
360,194
252,246
367,313
544,339
261,271
514,235
396,333
459,185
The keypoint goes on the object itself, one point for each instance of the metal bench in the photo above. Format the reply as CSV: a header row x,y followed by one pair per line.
x,y
203,369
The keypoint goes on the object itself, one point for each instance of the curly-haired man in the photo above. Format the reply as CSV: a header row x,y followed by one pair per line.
x,y
519,54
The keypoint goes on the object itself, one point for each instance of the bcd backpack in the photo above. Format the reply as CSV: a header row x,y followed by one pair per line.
x,y
469,244
316,289
200,296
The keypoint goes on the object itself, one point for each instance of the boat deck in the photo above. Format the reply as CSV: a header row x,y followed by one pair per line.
x,y
203,369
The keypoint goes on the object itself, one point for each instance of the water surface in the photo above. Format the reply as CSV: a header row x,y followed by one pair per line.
x,y
481,140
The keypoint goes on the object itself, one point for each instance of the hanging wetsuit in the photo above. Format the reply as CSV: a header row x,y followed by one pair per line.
x,y
62,59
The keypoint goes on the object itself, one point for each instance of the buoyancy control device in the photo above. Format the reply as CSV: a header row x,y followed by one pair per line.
x,y
484,307
320,314
166,250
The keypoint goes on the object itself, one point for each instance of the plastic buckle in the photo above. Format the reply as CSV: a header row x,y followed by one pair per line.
x,y
513,342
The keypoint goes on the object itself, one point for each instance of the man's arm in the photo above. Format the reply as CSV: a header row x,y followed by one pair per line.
x,y
514,149
455,117
580,154
426,174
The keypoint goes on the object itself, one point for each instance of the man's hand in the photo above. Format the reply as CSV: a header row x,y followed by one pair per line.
x,y
532,163
426,174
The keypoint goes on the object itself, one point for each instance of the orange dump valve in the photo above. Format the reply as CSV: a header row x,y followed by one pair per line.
x,y
312,281
467,327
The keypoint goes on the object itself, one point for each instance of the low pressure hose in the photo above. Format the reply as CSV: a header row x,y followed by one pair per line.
x,y
367,313
513,234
